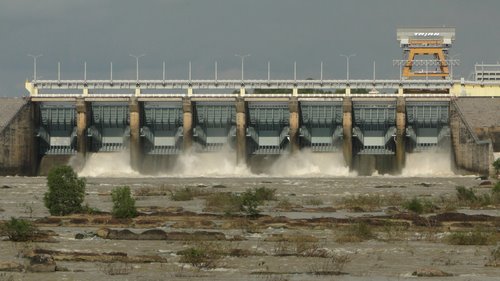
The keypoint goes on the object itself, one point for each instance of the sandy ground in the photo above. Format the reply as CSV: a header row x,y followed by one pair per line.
x,y
378,258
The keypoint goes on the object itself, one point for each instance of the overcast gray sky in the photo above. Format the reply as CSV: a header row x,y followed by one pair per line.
x,y
203,31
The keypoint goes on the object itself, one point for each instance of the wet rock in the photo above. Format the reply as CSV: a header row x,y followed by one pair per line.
x,y
461,217
197,235
103,233
85,235
42,263
61,268
153,234
11,266
425,184
430,272
485,183
49,220
124,234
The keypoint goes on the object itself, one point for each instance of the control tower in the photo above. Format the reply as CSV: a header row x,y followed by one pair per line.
x,y
425,51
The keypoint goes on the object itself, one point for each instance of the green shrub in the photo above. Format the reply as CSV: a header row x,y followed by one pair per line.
x,y
414,205
19,230
123,203
476,237
496,188
466,194
66,191
184,194
250,202
228,203
496,165
205,255
357,232
265,194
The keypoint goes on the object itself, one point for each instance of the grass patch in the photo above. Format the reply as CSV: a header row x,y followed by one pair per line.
x,y
226,202
357,232
419,206
368,202
313,201
202,256
19,230
186,194
476,237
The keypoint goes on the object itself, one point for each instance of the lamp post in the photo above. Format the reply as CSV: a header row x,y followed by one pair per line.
x,y
242,64
35,57
452,62
137,64
347,61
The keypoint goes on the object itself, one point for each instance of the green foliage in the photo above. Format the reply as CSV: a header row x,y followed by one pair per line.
x,y
184,194
357,232
19,230
247,202
414,205
250,202
466,194
228,203
123,203
66,191
205,255
496,188
476,237
496,165
265,194
353,91
187,193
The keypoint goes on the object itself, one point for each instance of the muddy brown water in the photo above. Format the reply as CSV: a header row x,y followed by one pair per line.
x,y
374,259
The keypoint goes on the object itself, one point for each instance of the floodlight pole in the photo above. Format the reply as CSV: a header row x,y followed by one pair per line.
x,y
347,61
242,64
137,65
35,57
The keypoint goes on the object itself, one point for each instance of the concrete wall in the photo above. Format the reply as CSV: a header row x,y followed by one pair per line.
x,y
471,153
18,150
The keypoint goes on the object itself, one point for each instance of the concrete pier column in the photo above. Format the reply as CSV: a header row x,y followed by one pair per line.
x,y
187,123
135,134
347,131
241,131
294,123
82,108
400,133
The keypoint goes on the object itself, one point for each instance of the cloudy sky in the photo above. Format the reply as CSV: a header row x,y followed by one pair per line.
x,y
205,31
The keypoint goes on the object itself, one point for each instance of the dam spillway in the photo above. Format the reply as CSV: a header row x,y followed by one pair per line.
x,y
251,128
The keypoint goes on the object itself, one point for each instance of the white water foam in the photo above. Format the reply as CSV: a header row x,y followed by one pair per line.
x,y
113,164
305,163
218,164
428,164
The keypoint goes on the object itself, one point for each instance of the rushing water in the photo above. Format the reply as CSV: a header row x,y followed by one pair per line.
x,y
302,164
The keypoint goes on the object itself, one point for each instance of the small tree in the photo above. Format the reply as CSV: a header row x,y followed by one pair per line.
x,y
496,165
66,191
123,203
19,230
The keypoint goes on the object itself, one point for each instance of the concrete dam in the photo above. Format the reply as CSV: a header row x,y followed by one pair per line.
x,y
374,124
370,132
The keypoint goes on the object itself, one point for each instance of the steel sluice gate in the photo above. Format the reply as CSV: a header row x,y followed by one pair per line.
x,y
214,126
427,125
161,128
109,128
374,127
321,125
268,127
57,129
